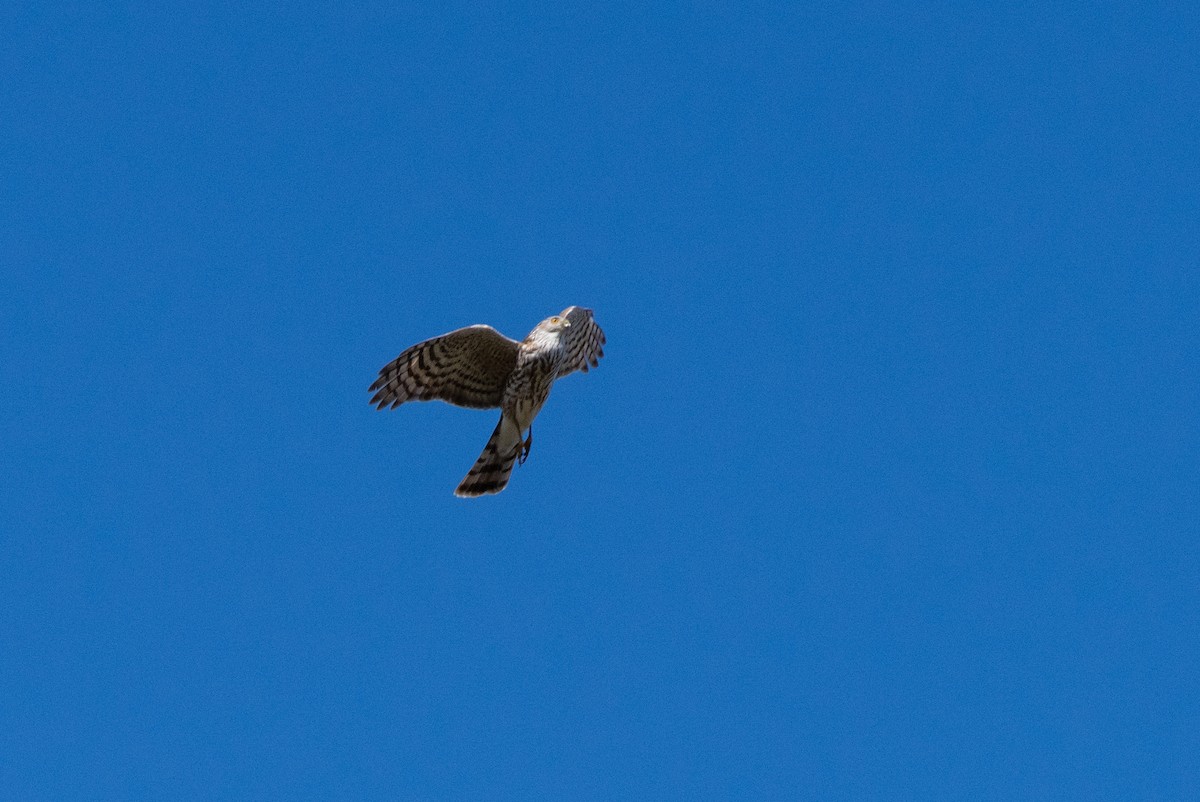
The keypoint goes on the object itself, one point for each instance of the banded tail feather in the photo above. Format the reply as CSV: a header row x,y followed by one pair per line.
x,y
491,472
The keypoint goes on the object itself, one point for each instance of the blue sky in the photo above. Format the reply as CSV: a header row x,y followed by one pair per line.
x,y
887,486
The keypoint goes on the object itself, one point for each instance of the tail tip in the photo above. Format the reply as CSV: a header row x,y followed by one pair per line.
x,y
477,489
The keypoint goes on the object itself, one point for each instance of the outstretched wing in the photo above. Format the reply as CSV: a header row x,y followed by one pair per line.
x,y
468,367
585,341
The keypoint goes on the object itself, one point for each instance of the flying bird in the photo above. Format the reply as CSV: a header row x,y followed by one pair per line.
x,y
480,368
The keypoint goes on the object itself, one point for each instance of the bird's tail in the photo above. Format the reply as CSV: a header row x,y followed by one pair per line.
x,y
493,468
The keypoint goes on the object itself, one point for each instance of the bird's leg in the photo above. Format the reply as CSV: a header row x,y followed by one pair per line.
x,y
523,449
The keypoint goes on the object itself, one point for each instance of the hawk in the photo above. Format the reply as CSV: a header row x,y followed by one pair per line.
x,y
480,368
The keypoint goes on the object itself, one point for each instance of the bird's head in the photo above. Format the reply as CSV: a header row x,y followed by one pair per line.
x,y
555,325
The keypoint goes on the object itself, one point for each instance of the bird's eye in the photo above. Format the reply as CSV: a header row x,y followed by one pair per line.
x,y
554,319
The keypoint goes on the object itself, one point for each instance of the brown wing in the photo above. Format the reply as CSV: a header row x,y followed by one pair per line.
x,y
585,341
468,367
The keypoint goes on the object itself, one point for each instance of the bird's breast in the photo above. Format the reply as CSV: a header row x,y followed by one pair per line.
x,y
527,389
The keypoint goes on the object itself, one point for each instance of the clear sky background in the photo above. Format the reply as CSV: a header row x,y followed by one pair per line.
x,y
887,487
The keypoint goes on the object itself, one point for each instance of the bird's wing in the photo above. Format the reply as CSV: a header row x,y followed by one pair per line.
x,y
468,367
585,341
